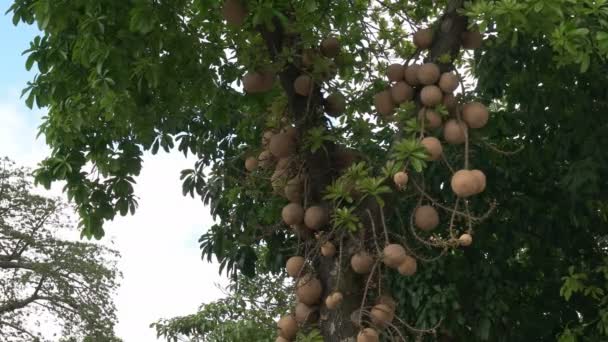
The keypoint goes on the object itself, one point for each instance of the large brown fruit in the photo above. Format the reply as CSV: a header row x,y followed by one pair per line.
x,y
258,82
401,92
433,147
361,262
308,290
394,72
465,240
328,249
411,75
293,190
295,266
281,145
448,82
316,217
431,96
408,267
291,132
303,313
428,73
265,159
400,178
335,104
368,335
292,214
480,179
288,327
426,218
382,315
432,119
330,47
303,85
384,103
454,132
251,164
464,183
471,40
393,255
234,12
475,114
423,39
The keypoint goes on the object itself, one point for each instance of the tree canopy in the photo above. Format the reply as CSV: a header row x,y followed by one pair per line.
x,y
49,284
223,80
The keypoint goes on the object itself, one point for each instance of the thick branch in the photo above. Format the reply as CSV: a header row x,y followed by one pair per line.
x,y
16,305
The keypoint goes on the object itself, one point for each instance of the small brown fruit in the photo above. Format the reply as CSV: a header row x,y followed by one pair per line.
x,y
328,249
408,267
334,300
303,312
400,178
401,92
251,164
265,159
281,145
431,96
411,75
426,218
448,82
368,335
480,179
471,40
464,183
330,47
393,255
293,190
335,104
475,114
384,103
423,39
288,327
382,315
303,85
433,147
428,73
234,12
465,240
395,72
387,300
292,214
295,266
432,119
308,290
316,217
454,132
361,262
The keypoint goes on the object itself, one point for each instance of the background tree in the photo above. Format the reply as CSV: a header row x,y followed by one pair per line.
x,y
48,283
121,78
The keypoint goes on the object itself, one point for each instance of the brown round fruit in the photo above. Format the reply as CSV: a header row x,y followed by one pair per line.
x,y
401,92
293,190
393,255
471,40
464,183
251,164
454,132
368,335
411,75
328,249
431,96
316,217
283,164
291,132
292,214
428,73
408,267
432,119
281,145
426,218
295,266
361,262
303,312
480,179
303,85
384,103
308,290
335,104
400,178
450,102
330,47
234,12
382,315
288,327
387,300
265,159
423,39
433,147
465,240
448,82
394,72
333,300
475,114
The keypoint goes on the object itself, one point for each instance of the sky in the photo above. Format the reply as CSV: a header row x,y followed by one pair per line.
x,y
163,274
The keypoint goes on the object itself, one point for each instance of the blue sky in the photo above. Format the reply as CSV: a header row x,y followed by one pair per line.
x,y
161,235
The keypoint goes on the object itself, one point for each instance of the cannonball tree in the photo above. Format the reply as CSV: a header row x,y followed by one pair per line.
x,y
350,138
